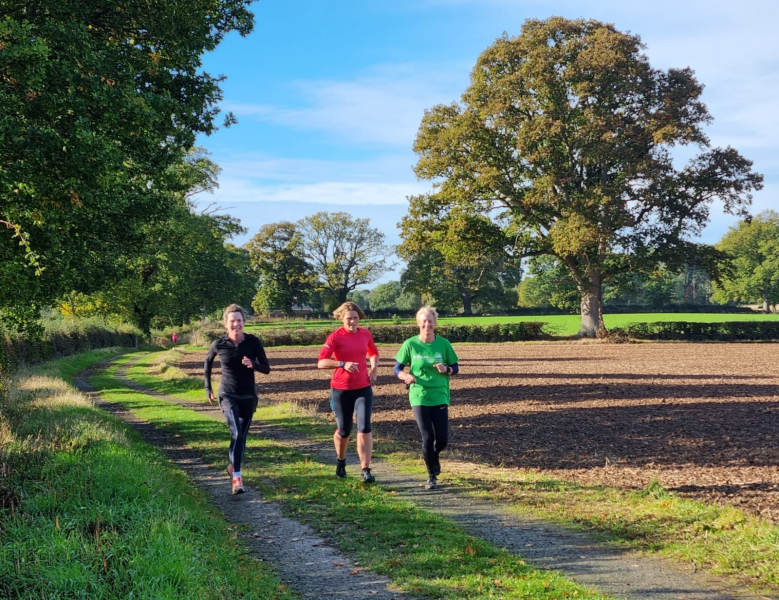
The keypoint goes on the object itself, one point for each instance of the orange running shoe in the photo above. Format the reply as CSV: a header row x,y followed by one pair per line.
x,y
238,485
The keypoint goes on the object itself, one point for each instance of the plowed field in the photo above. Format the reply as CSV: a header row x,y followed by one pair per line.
x,y
702,419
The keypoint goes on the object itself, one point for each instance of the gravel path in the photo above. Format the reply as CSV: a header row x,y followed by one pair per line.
x,y
614,571
304,561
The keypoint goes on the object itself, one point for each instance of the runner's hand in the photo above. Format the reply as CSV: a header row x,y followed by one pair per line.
x,y
210,397
351,367
442,368
247,362
409,379
373,374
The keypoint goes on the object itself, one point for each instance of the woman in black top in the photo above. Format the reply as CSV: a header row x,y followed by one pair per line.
x,y
240,354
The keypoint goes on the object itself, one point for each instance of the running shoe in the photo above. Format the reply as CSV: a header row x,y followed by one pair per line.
x,y
340,468
367,476
238,485
432,483
436,466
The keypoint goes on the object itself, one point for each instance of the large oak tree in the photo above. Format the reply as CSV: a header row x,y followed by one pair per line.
x,y
567,130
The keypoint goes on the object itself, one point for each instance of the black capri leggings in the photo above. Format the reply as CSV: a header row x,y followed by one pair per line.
x,y
433,423
346,403
238,412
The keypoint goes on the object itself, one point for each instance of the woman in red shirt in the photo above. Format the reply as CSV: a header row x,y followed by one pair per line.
x,y
350,387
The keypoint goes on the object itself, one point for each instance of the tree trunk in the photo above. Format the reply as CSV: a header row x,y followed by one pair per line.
x,y
766,305
467,307
592,317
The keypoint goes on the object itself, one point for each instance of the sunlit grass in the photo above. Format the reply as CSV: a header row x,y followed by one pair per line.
x,y
558,325
88,510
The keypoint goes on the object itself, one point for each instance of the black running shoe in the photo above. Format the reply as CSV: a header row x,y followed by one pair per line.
x,y
367,476
340,468
432,483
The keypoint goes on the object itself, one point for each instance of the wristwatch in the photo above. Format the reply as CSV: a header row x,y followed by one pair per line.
x,y
341,364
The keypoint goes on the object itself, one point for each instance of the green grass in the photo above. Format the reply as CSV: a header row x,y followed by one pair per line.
x,y
420,552
559,325
89,510
722,540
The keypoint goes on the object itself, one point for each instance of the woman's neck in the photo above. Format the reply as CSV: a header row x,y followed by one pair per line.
x,y
426,336
235,337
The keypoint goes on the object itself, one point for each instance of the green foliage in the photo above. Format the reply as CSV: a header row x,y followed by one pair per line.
x,y
565,132
99,103
344,252
384,297
181,267
753,251
284,278
688,331
362,298
456,258
58,339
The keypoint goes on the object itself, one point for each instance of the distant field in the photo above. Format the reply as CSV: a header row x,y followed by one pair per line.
x,y
556,324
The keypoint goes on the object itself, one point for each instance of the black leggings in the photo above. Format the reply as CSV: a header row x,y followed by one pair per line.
x,y
433,422
238,412
345,403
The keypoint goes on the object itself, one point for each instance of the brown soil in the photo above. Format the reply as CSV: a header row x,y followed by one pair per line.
x,y
702,419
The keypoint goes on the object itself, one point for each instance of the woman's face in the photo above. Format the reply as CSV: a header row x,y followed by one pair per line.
x,y
350,320
234,323
426,323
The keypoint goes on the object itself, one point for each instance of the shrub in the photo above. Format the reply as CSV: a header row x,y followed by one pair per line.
x,y
683,330
55,340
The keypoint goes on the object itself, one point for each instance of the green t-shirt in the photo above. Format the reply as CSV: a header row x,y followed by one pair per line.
x,y
432,387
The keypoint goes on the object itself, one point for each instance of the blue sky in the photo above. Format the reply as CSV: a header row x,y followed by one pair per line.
x,y
329,95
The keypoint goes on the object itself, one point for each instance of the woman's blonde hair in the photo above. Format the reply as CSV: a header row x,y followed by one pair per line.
x,y
347,306
231,309
427,310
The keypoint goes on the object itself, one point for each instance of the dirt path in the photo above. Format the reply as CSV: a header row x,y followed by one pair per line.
x,y
614,571
304,561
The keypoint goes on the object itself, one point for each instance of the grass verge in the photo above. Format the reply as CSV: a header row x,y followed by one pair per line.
x,y
722,540
89,510
419,551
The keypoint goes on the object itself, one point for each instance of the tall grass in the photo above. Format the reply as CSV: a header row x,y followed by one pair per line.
x,y
88,510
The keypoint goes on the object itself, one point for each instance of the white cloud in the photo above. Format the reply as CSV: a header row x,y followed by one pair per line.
x,y
232,191
383,108
386,167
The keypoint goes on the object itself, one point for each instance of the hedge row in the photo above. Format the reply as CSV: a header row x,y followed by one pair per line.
x,y
29,349
391,334
683,330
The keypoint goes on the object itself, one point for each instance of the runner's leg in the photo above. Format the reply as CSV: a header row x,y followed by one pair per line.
x,y
363,407
422,414
440,420
245,414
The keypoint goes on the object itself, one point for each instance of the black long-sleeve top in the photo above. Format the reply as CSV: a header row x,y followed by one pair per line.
x,y
237,378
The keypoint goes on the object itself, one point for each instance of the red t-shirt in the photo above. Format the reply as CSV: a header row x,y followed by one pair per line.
x,y
349,347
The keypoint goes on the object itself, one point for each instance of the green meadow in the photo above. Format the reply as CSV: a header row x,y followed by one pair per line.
x,y
558,325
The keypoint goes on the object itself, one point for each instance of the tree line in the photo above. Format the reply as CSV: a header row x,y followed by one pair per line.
x,y
556,163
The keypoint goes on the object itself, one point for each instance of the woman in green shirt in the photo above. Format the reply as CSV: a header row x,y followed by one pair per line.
x,y
431,361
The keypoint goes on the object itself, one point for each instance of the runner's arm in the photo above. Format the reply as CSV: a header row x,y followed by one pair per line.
x,y
260,362
207,368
